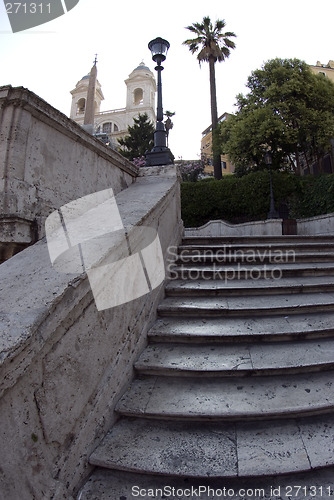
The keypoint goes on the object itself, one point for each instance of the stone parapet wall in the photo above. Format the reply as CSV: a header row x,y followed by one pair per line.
x,y
222,228
47,160
319,225
64,363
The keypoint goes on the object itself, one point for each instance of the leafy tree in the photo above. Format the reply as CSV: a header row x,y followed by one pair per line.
x,y
212,45
140,138
288,109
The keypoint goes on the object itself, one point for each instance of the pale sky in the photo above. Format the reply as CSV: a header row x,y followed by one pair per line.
x,y
50,59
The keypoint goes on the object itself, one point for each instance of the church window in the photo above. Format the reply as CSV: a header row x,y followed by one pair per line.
x,y
115,128
81,105
107,128
138,96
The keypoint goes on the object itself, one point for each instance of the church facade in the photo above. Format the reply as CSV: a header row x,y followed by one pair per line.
x,y
140,98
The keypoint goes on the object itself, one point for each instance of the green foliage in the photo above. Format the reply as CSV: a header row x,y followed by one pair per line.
x,y
140,138
315,196
236,199
210,41
288,108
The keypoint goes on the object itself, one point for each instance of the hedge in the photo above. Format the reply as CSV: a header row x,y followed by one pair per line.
x,y
240,199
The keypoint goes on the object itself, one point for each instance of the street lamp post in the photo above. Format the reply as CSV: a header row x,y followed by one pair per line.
x,y
272,214
160,154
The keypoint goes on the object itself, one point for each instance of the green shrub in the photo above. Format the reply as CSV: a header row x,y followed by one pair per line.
x,y
315,196
238,199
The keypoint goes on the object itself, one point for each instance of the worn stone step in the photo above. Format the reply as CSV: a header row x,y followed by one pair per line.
x,y
221,450
252,329
106,484
256,240
206,288
247,271
254,257
229,399
284,246
246,306
236,360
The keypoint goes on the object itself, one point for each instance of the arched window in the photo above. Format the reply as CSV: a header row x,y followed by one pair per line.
x,y
81,105
115,128
138,97
106,128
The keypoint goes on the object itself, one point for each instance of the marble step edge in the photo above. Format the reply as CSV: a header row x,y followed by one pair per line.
x,y
300,246
249,272
278,328
217,287
256,257
167,359
229,399
189,449
108,484
169,309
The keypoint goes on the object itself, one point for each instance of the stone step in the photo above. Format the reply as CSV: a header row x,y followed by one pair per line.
x,y
221,450
247,271
237,382
256,240
106,484
236,360
229,399
246,306
253,257
254,329
283,246
207,288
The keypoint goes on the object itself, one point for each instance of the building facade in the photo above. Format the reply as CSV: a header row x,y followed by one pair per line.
x,y
140,98
324,69
206,151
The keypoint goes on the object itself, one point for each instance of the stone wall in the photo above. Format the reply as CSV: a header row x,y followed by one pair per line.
x,y
218,228
46,160
319,225
64,364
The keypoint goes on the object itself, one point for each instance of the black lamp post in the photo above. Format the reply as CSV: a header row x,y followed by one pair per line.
x,y
272,214
160,154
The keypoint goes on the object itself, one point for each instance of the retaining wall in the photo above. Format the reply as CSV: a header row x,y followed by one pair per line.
x,y
64,364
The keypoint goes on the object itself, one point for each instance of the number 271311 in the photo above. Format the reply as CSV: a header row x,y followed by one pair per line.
x,y
28,8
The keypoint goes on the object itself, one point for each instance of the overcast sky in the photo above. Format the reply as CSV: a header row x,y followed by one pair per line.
x,y
50,59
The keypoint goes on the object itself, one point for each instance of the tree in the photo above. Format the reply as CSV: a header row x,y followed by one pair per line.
x,y
289,109
212,45
140,138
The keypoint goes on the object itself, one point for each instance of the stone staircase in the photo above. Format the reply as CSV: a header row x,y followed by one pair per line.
x,y
236,386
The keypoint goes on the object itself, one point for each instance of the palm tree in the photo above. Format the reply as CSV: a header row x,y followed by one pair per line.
x,y
212,45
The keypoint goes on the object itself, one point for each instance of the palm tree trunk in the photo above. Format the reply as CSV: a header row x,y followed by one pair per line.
x,y
214,120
